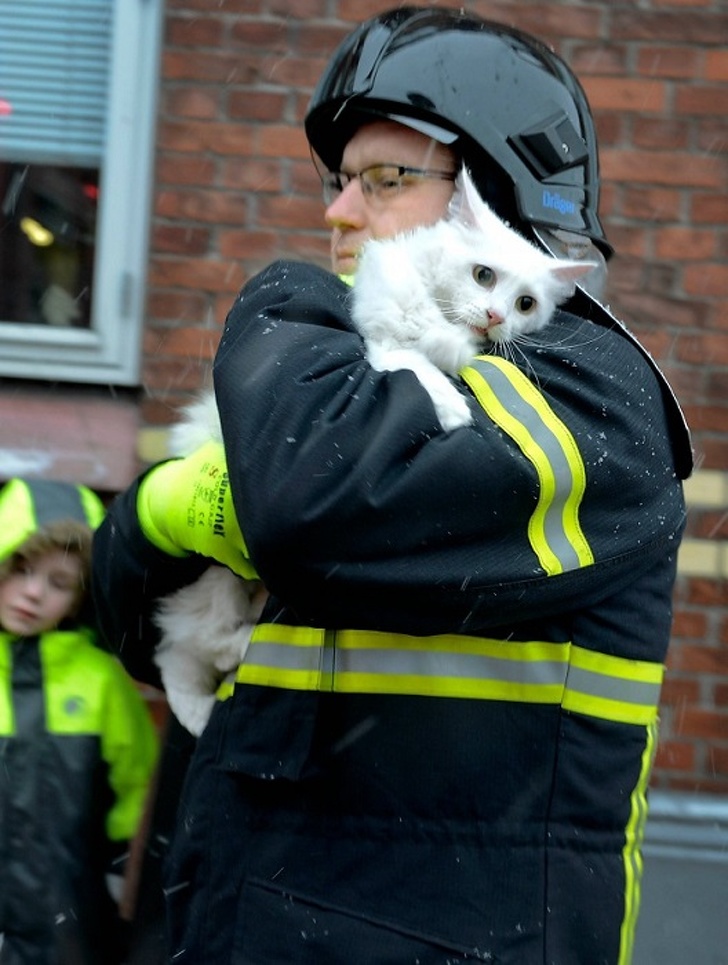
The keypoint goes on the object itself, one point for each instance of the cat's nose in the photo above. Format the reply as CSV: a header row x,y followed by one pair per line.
x,y
494,318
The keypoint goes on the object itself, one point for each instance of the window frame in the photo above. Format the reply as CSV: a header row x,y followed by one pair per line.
x,y
109,352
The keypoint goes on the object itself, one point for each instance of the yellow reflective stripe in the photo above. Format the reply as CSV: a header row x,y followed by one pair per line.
x,y
613,688
631,853
451,665
7,715
521,411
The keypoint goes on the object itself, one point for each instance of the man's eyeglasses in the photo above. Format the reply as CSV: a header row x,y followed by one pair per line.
x,y
380,182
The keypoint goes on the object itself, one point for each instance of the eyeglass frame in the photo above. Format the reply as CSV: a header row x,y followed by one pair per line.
x,y
331,190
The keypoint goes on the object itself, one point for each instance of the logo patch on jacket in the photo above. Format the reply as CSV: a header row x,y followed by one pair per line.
x,y
73,706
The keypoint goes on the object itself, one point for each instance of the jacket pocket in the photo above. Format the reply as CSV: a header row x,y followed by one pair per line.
x,y
277,926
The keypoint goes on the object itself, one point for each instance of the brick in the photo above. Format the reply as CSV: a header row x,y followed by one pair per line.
x,y
685,244
177,306
320,38
252,105
700,659
712,525
685,29
610,127
707,417
305,9
709,208
675,755
654,310
711,135
720,695
252,174
194,31
245,244
198,344
289,211
706,280
269,35
678,168
718,757
708,725
702,100
219,67
166,376
716,64
212,276
276,140
688,624
677,692
187,169
197,102
599,59
181,239
247,7
660,134
625,94
674,62
218,207
714,453
195,136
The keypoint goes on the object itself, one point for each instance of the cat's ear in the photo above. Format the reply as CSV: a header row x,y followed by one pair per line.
x,y
567,273
466,205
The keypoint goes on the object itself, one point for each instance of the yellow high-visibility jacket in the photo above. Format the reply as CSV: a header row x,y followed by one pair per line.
x,y
77,751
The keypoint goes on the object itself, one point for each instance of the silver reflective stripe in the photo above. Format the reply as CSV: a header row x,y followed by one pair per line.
x,y
522,412
613,687
450,665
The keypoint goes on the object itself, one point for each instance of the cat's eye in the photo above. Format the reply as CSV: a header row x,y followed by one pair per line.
x,y
379,182
484,276
526,304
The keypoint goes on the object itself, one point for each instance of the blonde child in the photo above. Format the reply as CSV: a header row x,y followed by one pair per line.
x,y
77,743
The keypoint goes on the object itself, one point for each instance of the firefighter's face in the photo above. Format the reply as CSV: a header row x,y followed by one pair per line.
x,y
39,593
359,211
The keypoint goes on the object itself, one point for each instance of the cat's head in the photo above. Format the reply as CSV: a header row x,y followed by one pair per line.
x,y
514,286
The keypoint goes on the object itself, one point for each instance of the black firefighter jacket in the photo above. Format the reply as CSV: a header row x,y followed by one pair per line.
x,y
439,741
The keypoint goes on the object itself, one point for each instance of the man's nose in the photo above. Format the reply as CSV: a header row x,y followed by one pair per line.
x,y
348,208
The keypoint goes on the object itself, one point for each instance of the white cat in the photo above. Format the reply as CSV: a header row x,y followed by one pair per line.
x,y
429,300
205,626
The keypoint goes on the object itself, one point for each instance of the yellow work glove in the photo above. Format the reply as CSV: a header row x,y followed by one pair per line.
x,y
185,506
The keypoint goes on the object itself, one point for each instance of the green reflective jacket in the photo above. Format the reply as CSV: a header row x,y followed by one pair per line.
x,y
78,747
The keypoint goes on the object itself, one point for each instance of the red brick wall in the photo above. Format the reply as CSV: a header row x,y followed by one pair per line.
x,y
235,188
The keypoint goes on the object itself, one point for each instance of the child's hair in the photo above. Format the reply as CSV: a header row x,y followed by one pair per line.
x,y
68,535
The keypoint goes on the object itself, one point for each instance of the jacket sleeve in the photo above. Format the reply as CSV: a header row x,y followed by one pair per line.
x,y
358,510
129,745
129,577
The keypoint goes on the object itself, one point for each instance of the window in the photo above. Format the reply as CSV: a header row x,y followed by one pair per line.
x,y
78,87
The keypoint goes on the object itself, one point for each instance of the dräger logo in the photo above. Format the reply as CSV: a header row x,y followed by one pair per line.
x,y
555,201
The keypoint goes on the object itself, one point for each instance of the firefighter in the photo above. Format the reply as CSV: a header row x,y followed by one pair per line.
x,y
438,745
77,743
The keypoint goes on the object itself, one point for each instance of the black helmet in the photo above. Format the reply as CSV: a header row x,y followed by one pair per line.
x,y
512,110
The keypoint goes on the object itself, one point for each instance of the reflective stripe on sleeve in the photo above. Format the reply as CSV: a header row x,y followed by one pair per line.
x,y
478,668
521,411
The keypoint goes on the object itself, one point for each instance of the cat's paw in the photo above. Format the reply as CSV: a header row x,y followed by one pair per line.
x,y
190,683
452,410
191,710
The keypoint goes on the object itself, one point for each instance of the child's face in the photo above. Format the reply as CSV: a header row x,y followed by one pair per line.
x,y
40,593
